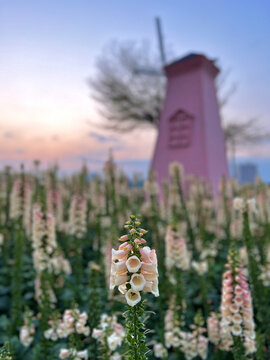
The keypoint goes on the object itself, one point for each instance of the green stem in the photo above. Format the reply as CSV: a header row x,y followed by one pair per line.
x,y
45,310
203,286
180,293
256,288
238,349
78,266
136,333
17,279
187,219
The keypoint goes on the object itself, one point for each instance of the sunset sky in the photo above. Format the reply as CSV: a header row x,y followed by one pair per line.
x,y
49,48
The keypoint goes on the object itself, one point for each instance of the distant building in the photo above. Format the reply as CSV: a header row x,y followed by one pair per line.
x,y
246,173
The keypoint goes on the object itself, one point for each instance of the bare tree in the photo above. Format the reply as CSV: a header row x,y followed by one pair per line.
x,y
237,133
128,86
243,133
225,89
247,132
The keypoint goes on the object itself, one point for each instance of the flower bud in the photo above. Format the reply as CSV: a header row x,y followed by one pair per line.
x,y
124,238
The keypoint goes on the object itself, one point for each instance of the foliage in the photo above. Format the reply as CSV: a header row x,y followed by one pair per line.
x,y
52,307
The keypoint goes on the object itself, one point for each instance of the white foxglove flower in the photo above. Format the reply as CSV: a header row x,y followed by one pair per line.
x,y
64,353
133,264
137,282
82,354
114,341
238,204
132,297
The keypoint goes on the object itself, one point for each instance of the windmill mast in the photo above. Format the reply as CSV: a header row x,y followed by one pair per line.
x,y
155,71
160,41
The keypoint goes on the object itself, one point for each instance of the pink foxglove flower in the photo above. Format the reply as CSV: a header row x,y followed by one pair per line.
x,y
77,216
176,251
236,309
213,328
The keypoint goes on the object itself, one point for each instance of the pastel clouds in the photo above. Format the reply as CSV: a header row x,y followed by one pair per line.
x,y
68,143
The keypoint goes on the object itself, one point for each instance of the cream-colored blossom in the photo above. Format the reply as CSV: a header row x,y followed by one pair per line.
x,y
133,264
137,282
133,297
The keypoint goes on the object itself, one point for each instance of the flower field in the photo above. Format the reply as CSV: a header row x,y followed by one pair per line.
x,y
103,268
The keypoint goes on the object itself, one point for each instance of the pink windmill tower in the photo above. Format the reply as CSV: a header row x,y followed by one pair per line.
x,y
190,129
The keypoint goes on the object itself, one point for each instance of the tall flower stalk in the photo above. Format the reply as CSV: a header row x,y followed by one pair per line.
x,y
110,190
77,230
134,270
237,324
176,173
177,261
16,214
94,302
44,245
225,196
247,209
151,189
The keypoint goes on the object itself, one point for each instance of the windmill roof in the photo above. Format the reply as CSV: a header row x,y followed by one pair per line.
x,y
191,60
